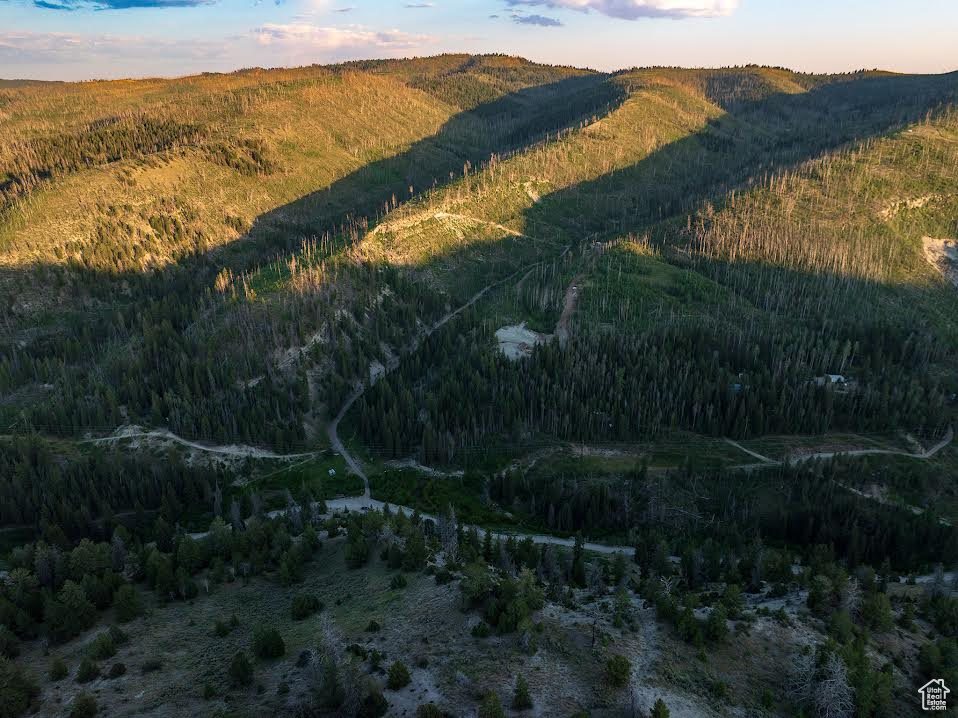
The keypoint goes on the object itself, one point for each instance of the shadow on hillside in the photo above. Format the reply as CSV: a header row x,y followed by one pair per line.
x,y
513,122
753,139
752,142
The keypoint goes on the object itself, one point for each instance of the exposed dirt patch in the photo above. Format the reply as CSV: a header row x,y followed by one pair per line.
x,y
228,456
942,254
428,470
906,204
516,341
568,309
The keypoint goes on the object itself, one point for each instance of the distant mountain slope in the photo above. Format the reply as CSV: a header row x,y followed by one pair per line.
x,y
116,196
734,262
231,258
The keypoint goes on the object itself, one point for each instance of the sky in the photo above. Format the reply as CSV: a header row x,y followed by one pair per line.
x,y
106,39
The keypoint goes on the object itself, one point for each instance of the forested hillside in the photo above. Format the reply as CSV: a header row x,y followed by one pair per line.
x,y
225,256
706,317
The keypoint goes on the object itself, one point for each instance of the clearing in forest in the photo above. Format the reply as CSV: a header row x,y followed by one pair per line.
x,y
943,256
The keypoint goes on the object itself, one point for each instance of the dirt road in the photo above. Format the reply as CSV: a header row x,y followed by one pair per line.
x,y
824,455
568,309
238,450
332,430
357,503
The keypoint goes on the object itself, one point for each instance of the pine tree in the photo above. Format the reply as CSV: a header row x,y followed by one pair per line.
x,y
521,700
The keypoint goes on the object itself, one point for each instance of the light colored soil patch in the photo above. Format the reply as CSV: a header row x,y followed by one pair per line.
x,y
914,203
423,625
428,470
232,455
516,341
942,254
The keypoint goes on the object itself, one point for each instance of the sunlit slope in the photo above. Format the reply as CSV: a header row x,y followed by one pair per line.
x,y
686,143
153,243
251,272
502,216
713,276
128,176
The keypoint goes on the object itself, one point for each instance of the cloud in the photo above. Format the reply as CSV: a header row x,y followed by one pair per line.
x,y
304,36
116,4
43,48
540,20
419,5
635,9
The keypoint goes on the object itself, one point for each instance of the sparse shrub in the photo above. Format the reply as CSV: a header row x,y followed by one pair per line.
x,y
374,705
118,636
481,630
151,665
491,707
305,605
357,651
618,670
428,710
58,670
841,627
102,647
521,700
240,670
267,643
9,643
327,684
767,699
373,626
398,676
16,689
876,612
87,671
209,691
127,603
221,629
117,670
282,689
718,689
444,576
84,706
716,627
659,710
398,581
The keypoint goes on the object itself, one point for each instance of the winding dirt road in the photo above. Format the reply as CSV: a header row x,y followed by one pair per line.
x,y
356,503
238,450
803,458
568,309
332,431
